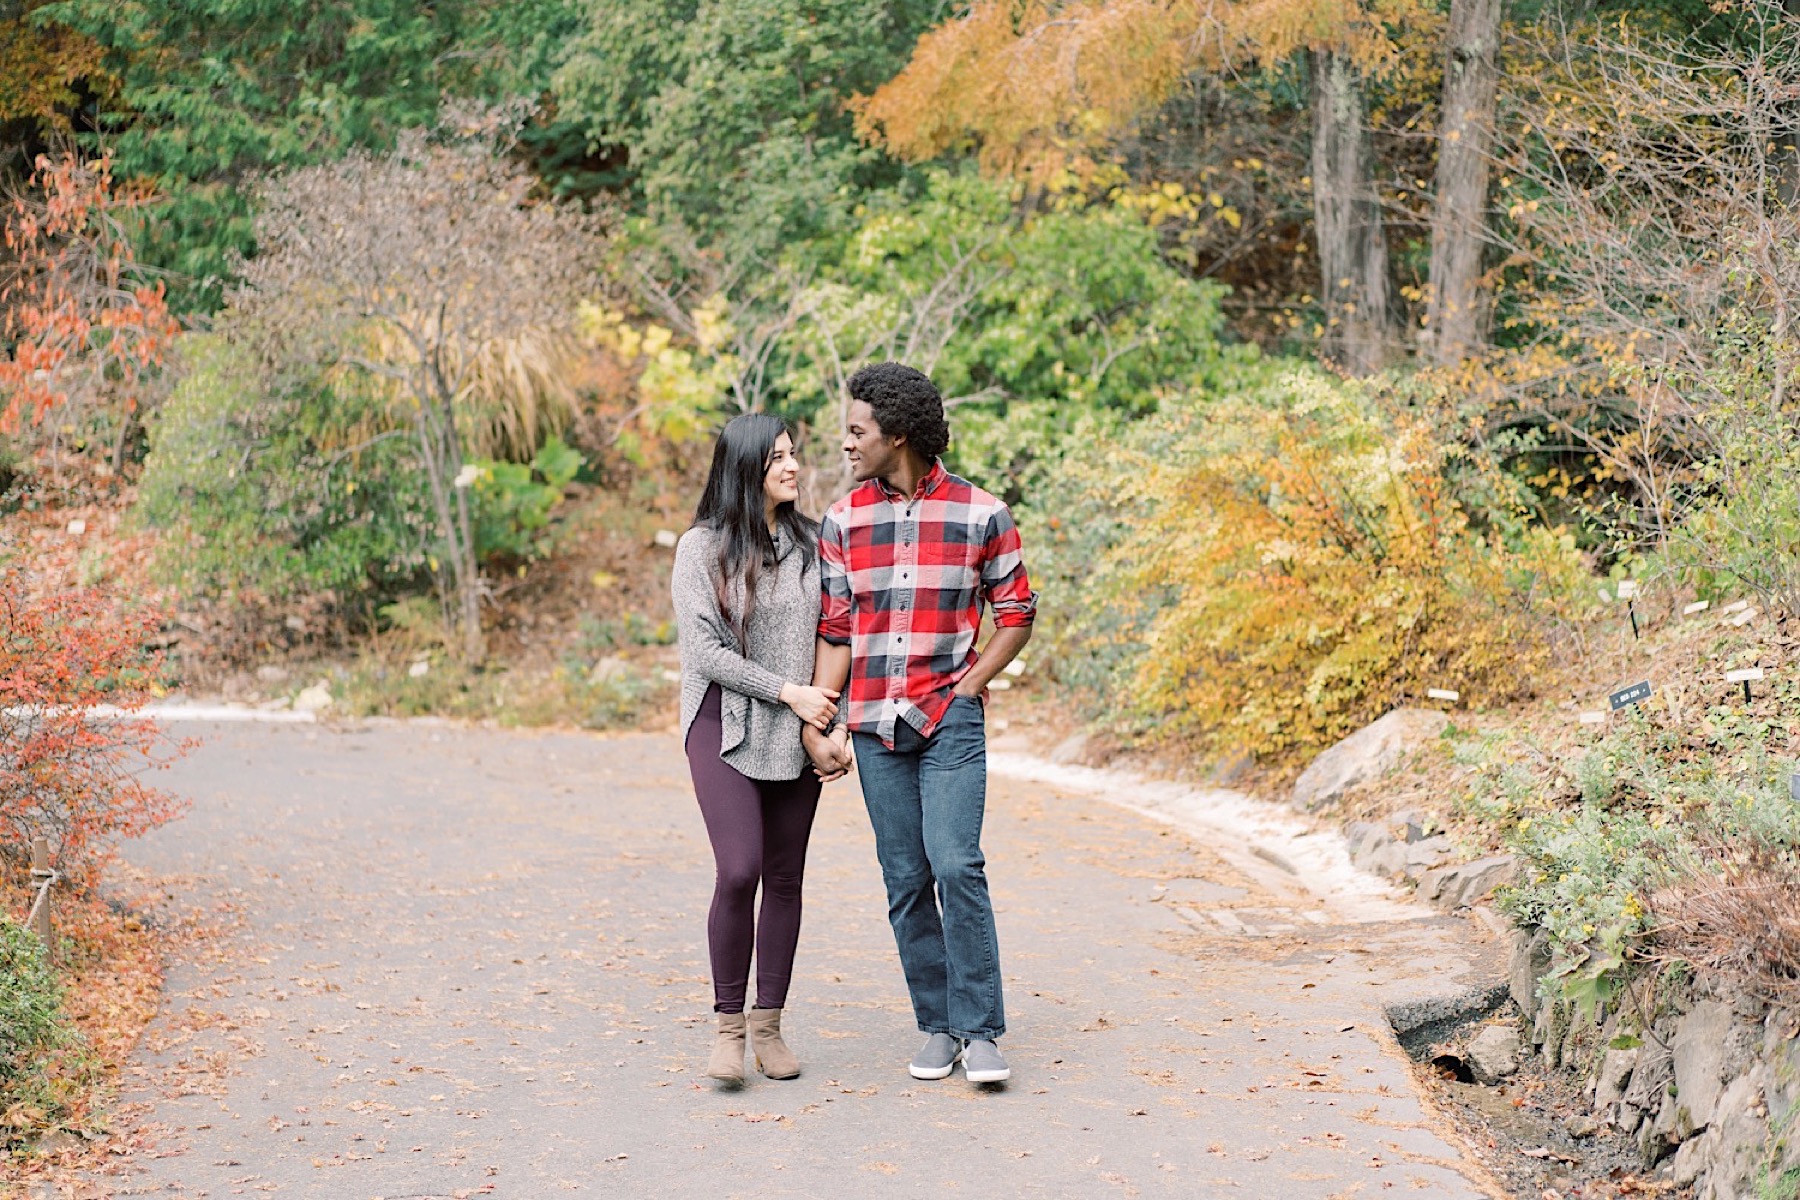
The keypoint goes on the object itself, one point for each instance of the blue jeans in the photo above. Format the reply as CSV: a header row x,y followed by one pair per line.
x,y
926,798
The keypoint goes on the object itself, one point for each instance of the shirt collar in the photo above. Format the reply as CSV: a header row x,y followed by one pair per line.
x,y
928,483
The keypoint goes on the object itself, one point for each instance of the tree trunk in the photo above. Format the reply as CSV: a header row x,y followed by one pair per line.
x,y
474,645
442,454
1786,150
1353,256
1456,319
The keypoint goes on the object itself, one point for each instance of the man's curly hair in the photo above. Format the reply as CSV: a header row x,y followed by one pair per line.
x,y
906,403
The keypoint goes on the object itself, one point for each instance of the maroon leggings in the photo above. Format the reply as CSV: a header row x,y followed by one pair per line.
x,y
759,831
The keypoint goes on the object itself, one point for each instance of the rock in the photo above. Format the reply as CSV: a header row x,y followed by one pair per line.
x,y
1615,1075
272,674
1698,1048
1070,750
1583,1127
1366,754
1386,859
1529,959
1429,853
1650,1078
1461,886
58,1141
314,699
1360,838
1475,1002
1736,1145
1547,1029
1690,1160
1227,772
1657,1137
608,668
1493,1054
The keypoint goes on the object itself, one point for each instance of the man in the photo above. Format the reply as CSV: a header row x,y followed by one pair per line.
x,y
906,561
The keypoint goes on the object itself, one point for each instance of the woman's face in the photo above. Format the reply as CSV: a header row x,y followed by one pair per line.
x,y
781,478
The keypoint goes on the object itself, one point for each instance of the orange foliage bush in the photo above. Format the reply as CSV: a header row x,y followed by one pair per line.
x,y
86,324
1287,564
73,670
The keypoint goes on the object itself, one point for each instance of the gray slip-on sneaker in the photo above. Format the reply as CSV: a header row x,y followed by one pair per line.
x,y
982,1063
936,1057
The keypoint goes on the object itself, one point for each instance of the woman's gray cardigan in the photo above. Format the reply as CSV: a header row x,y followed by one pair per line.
x,y
761,735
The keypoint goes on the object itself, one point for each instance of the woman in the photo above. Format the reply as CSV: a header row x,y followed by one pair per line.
x,y
746,588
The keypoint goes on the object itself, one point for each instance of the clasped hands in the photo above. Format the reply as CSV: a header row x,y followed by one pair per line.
x,y
830,752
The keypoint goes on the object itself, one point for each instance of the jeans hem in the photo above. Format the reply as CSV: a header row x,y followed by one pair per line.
x,y
992,1035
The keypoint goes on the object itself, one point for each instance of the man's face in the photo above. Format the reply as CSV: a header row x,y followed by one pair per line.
x,y
872,453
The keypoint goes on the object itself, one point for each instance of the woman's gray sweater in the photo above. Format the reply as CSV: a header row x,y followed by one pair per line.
x,y
761,735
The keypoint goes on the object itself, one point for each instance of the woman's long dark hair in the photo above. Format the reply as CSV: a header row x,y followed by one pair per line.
x,y
733,507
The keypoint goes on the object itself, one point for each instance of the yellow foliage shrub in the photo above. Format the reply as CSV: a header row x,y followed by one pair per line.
x,y
1288,564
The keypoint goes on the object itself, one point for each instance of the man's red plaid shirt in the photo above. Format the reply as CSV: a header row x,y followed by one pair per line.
x,y
903,581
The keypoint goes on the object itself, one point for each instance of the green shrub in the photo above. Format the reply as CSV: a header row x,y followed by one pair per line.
x,y
32,1028
608,694
1739,528
280,486
514,500
1626,837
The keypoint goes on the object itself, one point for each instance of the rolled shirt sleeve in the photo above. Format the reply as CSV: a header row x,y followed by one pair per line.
x,y
1003,578
834,584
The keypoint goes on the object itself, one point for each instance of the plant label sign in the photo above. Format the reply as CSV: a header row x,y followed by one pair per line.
x,y
1744,675
1627,589
1637,693
1698,606
1443,694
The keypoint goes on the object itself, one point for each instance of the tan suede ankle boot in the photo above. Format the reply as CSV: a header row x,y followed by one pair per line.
x,y
727,1063
773,1058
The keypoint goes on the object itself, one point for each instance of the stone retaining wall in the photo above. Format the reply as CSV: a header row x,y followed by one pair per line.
x,y
1709,1085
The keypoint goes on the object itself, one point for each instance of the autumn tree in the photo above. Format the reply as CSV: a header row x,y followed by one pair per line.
x,y
48,73
417,269
86,327
1038,88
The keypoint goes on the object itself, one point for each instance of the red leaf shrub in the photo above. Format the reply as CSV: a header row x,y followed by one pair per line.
x,y
73,670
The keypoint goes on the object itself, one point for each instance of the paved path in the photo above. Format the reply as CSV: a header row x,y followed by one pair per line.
x,y
472,963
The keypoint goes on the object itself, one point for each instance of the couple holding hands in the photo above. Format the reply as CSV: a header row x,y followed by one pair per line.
x,y
807,649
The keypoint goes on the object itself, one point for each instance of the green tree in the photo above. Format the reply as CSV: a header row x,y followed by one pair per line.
x,y
215,91
1032,326
732,111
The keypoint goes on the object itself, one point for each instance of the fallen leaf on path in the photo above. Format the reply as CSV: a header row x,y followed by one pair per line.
x,y
1546,1152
